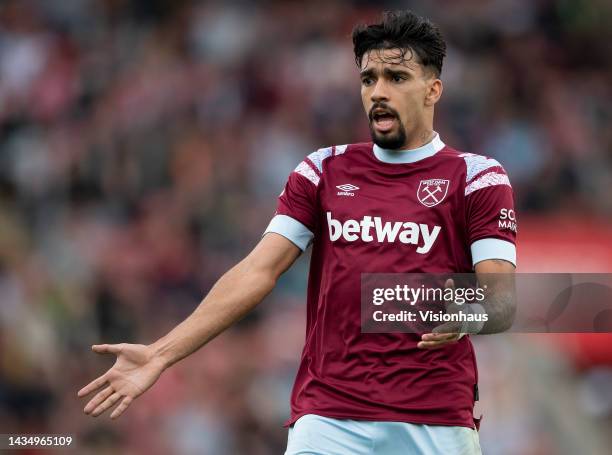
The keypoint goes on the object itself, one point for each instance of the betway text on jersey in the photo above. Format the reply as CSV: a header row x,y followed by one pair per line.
x,y
373,228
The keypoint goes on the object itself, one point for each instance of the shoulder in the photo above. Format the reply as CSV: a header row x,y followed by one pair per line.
x,y
314,164
480,171
325,155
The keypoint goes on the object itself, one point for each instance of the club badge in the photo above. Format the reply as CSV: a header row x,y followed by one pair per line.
x,y
433,191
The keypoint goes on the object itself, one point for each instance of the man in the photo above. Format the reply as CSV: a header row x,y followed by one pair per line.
x,y
365,393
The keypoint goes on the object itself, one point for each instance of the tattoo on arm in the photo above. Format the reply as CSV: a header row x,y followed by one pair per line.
x,y
500,300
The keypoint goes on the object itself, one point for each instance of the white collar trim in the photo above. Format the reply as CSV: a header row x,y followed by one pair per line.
x,y
409,155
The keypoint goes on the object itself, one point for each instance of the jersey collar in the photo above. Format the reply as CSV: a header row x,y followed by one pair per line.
x,y
409,155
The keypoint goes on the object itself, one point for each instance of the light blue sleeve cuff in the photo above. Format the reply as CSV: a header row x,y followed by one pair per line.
x,y
291,229
484,249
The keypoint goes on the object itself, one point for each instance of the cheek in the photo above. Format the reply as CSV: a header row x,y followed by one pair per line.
x,y
413,101
366,102
365,96
408,108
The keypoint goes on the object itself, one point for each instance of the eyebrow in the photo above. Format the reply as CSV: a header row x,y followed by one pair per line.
x,y
387,71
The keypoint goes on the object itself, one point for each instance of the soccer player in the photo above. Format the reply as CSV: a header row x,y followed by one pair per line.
x,y
365,393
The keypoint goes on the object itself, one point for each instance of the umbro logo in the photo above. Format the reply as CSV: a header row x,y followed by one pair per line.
x,y
347,189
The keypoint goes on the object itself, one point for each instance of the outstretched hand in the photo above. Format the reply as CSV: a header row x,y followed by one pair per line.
x,y
135,370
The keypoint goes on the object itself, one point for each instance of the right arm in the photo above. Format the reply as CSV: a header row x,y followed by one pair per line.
x,y
236,293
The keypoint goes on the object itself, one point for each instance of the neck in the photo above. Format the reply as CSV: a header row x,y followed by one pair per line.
x,y
419,139
411,155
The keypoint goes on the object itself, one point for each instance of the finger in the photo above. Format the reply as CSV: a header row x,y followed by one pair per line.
x,y
122,407
449,283
93,385
438,336
427,344
107,348
99,398
107,404
434,344
430,345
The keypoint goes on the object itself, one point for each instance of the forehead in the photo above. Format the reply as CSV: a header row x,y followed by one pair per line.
x,y
394,58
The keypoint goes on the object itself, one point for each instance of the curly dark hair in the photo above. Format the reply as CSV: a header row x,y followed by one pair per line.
x,y
406,31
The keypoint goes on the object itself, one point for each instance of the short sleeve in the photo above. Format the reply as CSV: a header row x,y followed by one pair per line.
x,y
295,217
491,217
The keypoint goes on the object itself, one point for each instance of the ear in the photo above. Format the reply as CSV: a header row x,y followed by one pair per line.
x,y
434,91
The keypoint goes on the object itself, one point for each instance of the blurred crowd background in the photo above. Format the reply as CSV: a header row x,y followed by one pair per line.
x,y
143,144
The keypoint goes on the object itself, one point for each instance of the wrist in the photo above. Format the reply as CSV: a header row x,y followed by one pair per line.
x,y
159,355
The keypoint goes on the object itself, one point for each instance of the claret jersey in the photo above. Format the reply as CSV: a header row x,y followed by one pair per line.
x,y
366,209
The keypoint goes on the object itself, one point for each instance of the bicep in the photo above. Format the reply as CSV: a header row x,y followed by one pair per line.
x,y
291,229
490,215
494,266
274,254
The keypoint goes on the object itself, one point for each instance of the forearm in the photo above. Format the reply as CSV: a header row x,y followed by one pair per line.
x,y
499,304
231,298
500,309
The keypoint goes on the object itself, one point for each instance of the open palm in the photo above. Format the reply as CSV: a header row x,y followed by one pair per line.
x,y
134,371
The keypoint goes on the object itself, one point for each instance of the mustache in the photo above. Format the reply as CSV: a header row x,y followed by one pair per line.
x,y
382,106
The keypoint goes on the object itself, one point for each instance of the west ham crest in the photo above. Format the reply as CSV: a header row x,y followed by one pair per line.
x,y
433,191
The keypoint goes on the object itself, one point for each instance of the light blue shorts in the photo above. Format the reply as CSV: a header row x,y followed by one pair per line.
x,y
316,435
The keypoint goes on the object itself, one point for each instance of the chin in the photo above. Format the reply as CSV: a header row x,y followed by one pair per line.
x,y
389,141
394,139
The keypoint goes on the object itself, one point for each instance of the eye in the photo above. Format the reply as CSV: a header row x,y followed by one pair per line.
x,y
366,81
397,78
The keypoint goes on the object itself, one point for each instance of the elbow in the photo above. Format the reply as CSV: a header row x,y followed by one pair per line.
x,y
268,282
258,275
262,280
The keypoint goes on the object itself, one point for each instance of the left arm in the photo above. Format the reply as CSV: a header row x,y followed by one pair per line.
x,y
500,302
491,233
497,277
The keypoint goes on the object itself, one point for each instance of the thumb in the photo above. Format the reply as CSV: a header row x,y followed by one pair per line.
x,y
107,348
449,283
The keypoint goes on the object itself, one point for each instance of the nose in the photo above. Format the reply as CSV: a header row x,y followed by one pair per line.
x,y
380,92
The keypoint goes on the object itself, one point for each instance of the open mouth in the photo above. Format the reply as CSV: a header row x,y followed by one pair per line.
x,y
383,120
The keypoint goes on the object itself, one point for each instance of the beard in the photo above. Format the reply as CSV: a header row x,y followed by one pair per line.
x,y
390,140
